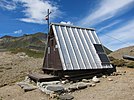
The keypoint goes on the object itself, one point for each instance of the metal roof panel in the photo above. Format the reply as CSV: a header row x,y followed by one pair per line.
x,y
76,47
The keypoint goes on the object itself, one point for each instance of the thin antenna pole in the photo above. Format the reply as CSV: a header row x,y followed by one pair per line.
x,y
47,18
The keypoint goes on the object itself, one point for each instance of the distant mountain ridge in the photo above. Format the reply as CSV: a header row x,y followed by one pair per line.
x,y
34,41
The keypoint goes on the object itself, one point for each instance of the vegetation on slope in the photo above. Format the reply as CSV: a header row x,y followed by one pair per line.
x,y
33,45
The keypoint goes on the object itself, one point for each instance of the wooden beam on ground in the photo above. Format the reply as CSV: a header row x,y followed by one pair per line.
x,y
42,77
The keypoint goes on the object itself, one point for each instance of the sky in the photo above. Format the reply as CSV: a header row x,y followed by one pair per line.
x,y
113,20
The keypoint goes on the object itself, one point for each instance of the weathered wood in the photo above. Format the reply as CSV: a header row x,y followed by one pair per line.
x,y
42,77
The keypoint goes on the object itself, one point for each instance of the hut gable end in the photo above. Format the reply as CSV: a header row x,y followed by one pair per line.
x,y
74,48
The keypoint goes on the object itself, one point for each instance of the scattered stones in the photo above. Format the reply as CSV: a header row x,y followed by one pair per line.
x,y
65,97
110,79
95,79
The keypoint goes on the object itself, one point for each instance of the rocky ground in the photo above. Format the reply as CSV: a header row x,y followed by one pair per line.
x,y
14,67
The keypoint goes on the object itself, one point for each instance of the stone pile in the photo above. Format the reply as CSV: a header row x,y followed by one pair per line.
x,y
62,89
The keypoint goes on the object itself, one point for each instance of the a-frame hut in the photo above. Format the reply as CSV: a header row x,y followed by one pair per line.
x,y
73,49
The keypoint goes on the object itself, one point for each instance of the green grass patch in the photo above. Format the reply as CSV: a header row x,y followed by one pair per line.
x,y
30,53
119,62
130,65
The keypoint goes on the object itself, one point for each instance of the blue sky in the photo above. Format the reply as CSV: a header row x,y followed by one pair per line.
x,y
112,19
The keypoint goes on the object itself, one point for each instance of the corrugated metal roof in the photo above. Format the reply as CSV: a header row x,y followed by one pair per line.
x,y
76,47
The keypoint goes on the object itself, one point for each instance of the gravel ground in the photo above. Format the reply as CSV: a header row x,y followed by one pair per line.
x,y
121,88
13,68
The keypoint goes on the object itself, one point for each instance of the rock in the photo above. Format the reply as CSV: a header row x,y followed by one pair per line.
x,y
93,84
55,88
85,80
46,90
81,85
22,84
27,79
89,84
66,97
71,82
22,54
44,84
77,86
64,82
26,86
72,87
95,79
116,73
110,79
104,76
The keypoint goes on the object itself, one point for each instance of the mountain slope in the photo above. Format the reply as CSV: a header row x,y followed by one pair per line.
x,y
34,41
123,51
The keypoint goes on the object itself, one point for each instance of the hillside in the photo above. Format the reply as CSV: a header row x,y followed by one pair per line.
x,y
123,51
32,41
108,51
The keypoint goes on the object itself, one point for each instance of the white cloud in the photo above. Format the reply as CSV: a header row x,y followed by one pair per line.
x,y
105,10
36,10
69,23
108,26
8,5
119,38
17,32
